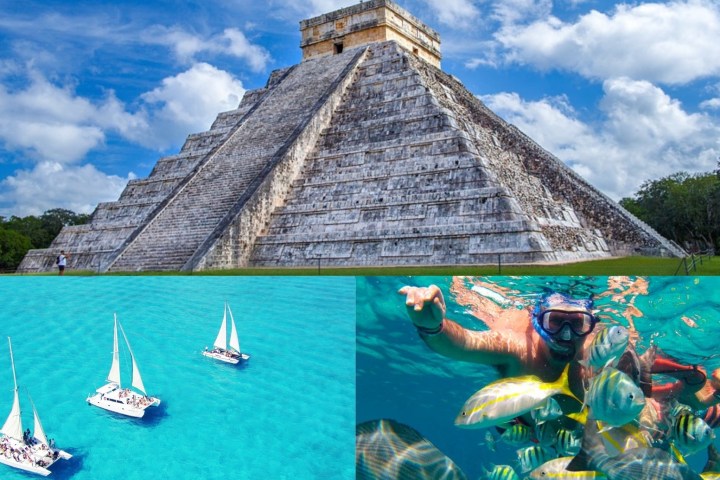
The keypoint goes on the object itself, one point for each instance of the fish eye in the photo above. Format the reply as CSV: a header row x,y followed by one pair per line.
x,y
464,414
632,395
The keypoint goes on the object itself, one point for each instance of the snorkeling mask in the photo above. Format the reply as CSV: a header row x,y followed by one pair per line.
x,y
554,312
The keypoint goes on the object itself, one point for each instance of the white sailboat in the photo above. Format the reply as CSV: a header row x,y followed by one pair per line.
x,y
112,396
20,450
223,350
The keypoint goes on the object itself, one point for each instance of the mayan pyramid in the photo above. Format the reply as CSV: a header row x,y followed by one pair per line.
x,y
365,153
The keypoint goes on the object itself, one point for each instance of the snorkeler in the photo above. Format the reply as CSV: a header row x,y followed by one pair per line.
x,y
556,332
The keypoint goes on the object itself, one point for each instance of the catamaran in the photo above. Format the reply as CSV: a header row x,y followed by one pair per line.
x,y
22,450
112,396
221,351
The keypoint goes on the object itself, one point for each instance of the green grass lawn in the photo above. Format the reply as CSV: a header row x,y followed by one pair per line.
x,y
615,266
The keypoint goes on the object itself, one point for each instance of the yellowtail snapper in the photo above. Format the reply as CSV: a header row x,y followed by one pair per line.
x,y
556,469
507,398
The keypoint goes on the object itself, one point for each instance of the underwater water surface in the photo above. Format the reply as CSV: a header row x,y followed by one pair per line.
x,y
288,414
400,378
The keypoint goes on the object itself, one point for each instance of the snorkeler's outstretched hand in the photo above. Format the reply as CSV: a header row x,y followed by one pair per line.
x,y
425,305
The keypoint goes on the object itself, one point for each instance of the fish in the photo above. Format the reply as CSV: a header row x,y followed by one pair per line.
x,y
507,398
639,368
532,457
490,441
547,433
556,468
691,433
621,439
517,434
389,450
634,464
614,398
607,345
567,443
502,472
550,410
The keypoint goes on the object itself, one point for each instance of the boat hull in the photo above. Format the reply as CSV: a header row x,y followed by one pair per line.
x,y
24,466
112,398
233,359
37,457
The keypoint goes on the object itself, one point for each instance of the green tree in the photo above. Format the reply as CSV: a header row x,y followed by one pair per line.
x,y
681,207
13,247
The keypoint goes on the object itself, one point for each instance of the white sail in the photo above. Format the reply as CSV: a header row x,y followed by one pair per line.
x,y
114,375
13,425
136,378
221,340
38,430
234,342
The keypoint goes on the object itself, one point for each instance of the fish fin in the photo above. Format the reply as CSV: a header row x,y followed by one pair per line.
x,y
605,428
580,417
579,463
563,383
676,452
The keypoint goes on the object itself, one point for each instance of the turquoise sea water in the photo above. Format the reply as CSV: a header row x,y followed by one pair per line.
x,y
400,378
288,414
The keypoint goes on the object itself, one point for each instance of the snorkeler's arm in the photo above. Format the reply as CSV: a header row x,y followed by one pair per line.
x,y
426,308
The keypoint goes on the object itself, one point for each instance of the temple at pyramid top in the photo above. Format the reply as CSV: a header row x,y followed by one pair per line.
x,y
363,154
369,22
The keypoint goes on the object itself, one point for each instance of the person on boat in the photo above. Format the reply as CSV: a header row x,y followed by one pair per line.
x,y
541,342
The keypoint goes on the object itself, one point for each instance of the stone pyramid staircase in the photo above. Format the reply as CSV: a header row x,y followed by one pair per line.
x,y
368,157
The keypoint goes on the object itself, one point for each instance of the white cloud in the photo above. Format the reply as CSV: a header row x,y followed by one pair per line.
x,y
515,11
456,13
55,128
713,103
55,185
646,135
230,42
187,103
671,43
52,123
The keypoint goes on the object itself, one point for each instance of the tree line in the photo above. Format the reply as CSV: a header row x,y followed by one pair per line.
x,y
682,207
20,234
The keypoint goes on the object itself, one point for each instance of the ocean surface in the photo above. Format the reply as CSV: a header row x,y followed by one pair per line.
x,y
400,378
288,414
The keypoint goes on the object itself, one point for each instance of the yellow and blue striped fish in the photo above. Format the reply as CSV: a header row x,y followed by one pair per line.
x,y
614,398
609,343
532,457
691,433
517,434
507,398
567,442
502,472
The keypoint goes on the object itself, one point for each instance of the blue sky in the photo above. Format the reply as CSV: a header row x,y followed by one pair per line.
x,y
92,93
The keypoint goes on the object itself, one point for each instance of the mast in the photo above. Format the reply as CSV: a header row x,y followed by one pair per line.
x,y
234,342
114,375
38,430
136,378
221,339
13,425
